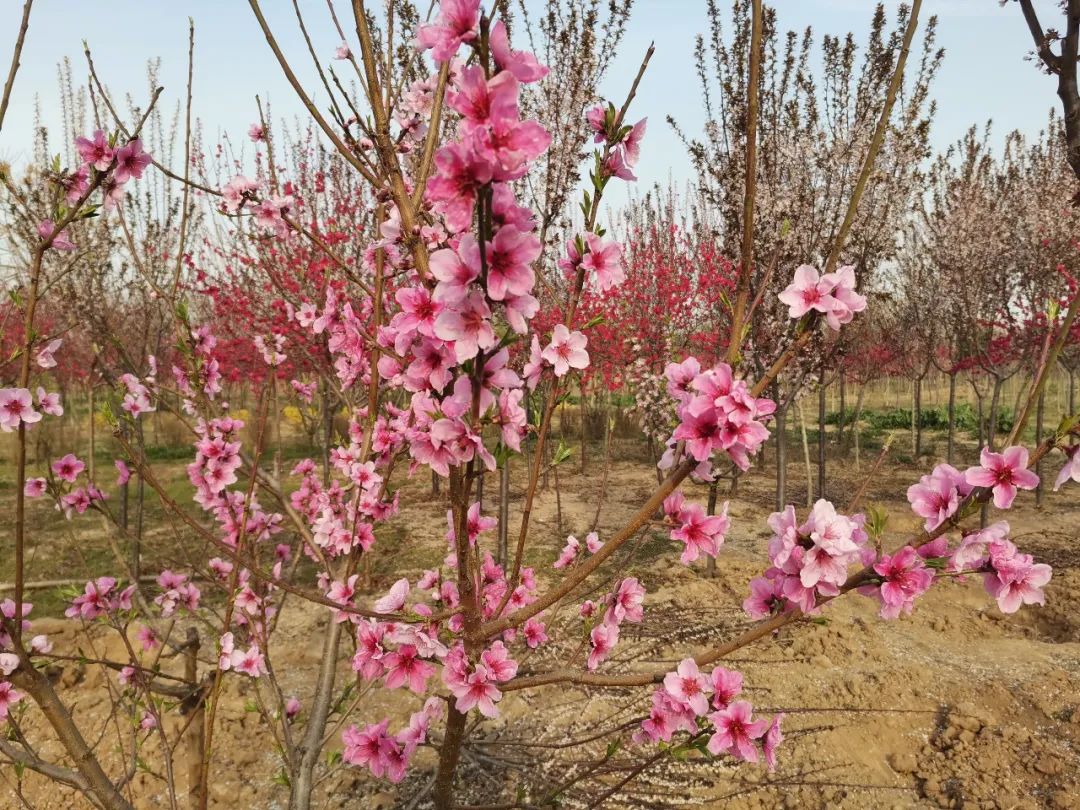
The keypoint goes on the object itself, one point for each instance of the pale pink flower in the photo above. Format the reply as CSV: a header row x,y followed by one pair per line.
x,y
342,51
477,691
808,291
1004,472
1071,470
257,132
45,357
49,403
566,350
688,686
569,553
726,685
773,738
395,597
34,487
16,407
937,496
905,578
604,259
535,633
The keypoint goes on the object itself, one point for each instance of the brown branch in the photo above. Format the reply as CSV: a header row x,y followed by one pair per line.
x,y
19,40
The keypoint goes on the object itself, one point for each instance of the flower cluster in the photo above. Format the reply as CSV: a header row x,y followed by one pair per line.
x,y
832,294
810,560
690,700
716,412
698,532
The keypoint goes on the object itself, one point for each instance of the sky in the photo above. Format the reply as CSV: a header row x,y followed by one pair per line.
x,y
985,73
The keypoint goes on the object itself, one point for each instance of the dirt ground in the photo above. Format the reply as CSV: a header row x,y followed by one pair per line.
x,y
956,706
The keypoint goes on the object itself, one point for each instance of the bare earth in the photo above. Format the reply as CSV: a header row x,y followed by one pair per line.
x,y
955,706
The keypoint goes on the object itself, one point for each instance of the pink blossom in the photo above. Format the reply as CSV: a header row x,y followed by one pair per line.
x,y
1071,470
1015,579
905,578
625,603
937,496
500,666
455,24
395,597
468,324
700,533
846,301
632,142
459,174
773,738
60,241
123,474
8,698
34,487
131,161
342,51
521,64
49,403
569,553
765,596
257,132
405,666
45,357
96,152
1004,472
602,641
534,366
535,633
808,292
736,731
688,686
726,685
68,468
566,350
604,260
476,691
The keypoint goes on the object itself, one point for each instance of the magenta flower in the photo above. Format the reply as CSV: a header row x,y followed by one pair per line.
x,y
906,578
773,738
68,468
476,691
847,301
96,152
566,350
702,534
736,731
8,698
34,487
632,142
688,686
500,666
522,65
257,132
131,161
404,666
456,24
625,603
726,686
1004,472
16,407
602,641
535,633
569,553
60,241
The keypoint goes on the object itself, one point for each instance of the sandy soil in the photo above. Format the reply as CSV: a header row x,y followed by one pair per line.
x,y
956,706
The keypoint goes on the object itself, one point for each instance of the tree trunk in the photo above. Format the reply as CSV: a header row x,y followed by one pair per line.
x,y
952,419
504,510
196,732
821,441
781,457
917,419
480,489
1040,412
91,466
995,407
806,456
434,484
584,429
710,562
840,420
855,423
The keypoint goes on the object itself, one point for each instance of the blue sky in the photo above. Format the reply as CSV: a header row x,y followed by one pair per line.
x,y
985,74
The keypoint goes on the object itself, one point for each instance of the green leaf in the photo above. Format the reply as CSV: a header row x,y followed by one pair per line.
x,y
562,453
599,319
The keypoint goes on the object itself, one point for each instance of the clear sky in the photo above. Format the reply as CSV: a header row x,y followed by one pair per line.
x,y
985,74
